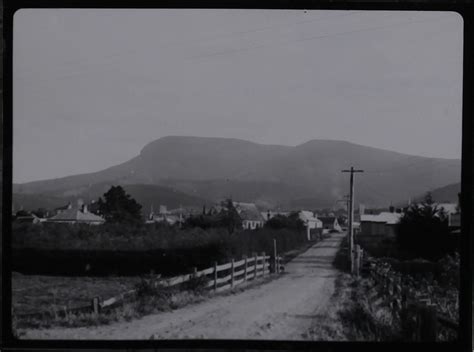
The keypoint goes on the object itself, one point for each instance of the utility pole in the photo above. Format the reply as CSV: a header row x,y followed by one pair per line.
x,y
351,215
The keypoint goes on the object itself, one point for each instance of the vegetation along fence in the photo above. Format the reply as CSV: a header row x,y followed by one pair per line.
x,y
216,278
428,310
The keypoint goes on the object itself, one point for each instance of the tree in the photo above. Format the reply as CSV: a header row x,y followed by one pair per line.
x,y
292,221
423,230
41,212
229,217
202,221
119,207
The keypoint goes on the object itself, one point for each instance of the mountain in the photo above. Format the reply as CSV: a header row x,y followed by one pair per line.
x,y
446,194
272,175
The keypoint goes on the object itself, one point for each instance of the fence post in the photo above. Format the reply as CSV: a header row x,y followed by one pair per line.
x,y
95,305
245,268
264,261
232,273
275,260
215,276
195,272
255,267
358,260
427,328
355,269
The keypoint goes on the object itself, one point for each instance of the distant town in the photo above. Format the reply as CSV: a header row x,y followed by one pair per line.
x,y
367,221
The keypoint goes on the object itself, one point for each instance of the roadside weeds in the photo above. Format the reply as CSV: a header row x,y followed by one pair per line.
x,y
150,300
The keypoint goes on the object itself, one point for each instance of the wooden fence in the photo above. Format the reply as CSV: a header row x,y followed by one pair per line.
x,y
396,291
217,278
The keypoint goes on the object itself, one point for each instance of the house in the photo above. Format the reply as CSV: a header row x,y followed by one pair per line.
x,y
250,215
312,223
270,214
79,215
330,223
165,216
93,207
28,219
383,224
63,208
454,216
448,208
453,212
454,220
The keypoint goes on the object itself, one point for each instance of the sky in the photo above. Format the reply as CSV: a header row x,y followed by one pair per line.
x,y
91,87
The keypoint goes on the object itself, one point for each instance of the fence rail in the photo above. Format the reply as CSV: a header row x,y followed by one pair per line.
x,y
249,269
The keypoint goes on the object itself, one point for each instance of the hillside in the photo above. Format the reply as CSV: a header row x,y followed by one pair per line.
x,y
273,175
146,195
447,194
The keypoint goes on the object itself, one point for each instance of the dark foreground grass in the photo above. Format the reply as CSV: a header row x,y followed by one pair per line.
x,y
149,300
36,293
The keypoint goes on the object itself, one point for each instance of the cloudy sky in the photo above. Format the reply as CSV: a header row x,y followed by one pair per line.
x,y
92,87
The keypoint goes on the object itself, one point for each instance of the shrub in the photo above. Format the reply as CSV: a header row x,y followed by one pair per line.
x,y
196,284
449,270
62,249
291,221
423,230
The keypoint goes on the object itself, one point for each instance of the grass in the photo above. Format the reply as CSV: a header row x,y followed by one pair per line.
x,y
328,326
35,293
351,314
149,300
355,314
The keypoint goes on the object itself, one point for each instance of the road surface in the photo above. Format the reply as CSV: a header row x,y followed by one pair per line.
x,y
282,309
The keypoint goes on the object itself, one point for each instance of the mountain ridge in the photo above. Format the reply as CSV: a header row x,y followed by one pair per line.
x,y
211,166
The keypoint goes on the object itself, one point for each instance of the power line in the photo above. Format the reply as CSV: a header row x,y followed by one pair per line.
x,y
323,36
133,51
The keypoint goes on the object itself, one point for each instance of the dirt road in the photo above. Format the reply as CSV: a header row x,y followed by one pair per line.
x,y
282,309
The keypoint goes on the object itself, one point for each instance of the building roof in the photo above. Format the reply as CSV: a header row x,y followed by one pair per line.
x,y
309,216
27,218
76,215
273,214
248,211
384,217
171,219
450,208
65,207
